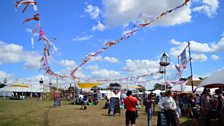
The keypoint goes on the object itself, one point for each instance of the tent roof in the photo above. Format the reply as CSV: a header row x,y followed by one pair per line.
x,y
19,85
136,87
215,80
87,85
195,82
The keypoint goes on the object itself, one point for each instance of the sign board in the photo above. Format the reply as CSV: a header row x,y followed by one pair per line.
x,y
161,121
57,99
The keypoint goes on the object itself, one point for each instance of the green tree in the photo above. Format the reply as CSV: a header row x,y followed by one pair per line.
x,y
142,89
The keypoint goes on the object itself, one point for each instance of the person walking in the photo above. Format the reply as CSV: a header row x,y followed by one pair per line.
x,y
149,108
130,103
169,106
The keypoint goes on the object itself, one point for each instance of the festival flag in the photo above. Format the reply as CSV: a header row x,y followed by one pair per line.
x,y
110,43
36,28
41,34
183,57
35,17
178,69
27,3
48,44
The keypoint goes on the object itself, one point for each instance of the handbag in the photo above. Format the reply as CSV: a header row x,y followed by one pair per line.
x,y
136,112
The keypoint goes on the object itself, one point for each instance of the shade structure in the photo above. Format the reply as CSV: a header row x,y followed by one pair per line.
x,y
135,87
20,85
213,81
87,85
21,88
17,88
195,82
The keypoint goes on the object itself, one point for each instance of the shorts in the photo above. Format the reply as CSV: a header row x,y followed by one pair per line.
x,y
130,116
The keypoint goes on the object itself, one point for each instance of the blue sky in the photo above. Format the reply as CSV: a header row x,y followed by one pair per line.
x,y
82,27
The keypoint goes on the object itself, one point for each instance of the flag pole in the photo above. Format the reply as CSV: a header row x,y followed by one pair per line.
x,y
191,79
181,86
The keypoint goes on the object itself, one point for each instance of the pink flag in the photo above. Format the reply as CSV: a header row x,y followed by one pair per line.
x,y
41,34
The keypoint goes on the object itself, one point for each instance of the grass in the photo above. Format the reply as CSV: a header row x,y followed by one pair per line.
x,y
42,113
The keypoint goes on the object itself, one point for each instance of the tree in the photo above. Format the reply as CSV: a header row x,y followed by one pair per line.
x,y
114,85
161,87
2,85
142,89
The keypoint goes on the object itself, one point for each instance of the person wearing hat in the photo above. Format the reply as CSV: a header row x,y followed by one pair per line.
x,y
168,104
130,103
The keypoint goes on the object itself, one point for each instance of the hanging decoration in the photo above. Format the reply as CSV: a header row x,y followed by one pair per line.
x,y
48,44
126,36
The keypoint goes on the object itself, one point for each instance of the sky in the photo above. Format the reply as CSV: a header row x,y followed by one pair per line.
x,y
84,26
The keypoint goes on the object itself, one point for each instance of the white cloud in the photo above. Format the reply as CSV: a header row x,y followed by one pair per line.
x,y
208,7
214,57
32,60
67,63
93,67
120,12
97,58
141,67
111,59
94,12
199,57
103,73
107,58
198,47
3,75
99,27
84,38
29,30
222,34
13,53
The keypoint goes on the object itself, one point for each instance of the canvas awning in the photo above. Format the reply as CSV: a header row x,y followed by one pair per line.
x,y
16,88
195,82
87,85
136,87
213,81
19,85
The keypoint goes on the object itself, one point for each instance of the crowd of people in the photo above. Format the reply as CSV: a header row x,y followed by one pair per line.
x,y
205,106
202,107
83,99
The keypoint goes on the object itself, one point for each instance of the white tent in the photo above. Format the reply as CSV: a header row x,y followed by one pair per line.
x,y
8,90
102,94
186,88
157,92
15,89
215,80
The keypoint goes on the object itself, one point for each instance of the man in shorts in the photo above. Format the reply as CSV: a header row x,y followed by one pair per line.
x,y
130,103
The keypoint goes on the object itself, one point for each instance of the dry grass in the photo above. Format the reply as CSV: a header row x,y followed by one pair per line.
x,y
42,113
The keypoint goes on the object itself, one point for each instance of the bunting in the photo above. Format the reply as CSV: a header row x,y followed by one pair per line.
x,y
127,35
42,37
48,44
35,17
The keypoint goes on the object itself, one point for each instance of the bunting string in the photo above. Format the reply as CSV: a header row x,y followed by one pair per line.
x,y
48,44
126,36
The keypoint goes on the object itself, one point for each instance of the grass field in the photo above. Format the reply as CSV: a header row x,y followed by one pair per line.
x,y
42,113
